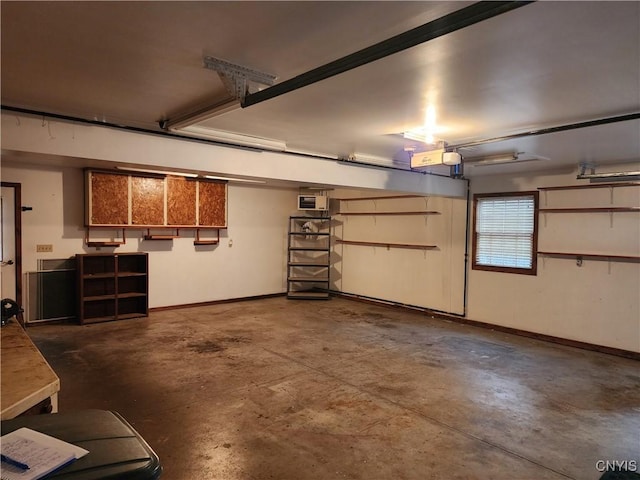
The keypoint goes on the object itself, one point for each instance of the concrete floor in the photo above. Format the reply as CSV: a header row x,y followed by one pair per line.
x,y
282,389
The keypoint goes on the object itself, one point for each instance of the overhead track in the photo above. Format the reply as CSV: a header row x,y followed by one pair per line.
x,y
447,24
545,131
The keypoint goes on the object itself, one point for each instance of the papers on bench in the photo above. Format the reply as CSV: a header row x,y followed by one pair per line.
x,y
42,453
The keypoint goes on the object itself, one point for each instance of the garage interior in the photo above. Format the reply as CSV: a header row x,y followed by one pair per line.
x,y
421,360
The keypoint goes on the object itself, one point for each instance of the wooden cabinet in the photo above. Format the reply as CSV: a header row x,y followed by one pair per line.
x,y
212,206
181,201
147,201
112,286
107,199
160,201
309,258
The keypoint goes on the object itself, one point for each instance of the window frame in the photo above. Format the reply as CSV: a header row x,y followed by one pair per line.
x,y
534,244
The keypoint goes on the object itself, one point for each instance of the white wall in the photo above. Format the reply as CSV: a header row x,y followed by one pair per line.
x,y
180,273
431,278
598,302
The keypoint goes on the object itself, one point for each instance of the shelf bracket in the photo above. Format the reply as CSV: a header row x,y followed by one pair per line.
x,y
103,243
150,236
209,241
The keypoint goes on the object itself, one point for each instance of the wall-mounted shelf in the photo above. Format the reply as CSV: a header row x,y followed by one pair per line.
x,y
99,244
596,185
414,246
207,241
152,236
579,257
426,212
103,243
592,256
159,236
589,209
380,198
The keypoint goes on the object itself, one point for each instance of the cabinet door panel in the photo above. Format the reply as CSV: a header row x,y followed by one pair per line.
x,y
213,204
181,201
147,201
109,201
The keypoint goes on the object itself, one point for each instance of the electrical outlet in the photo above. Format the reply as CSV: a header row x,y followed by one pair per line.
x,y
44,248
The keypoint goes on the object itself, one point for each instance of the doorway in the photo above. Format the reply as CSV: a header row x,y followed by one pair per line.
x,y
11,242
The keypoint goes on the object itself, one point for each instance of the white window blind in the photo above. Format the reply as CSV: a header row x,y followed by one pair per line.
x,y
504,231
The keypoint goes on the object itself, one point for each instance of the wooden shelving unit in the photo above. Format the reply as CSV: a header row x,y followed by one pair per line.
x,y
589,210
592,256
578,256
308,262
112,286
591,185
214,240
390,197
388,245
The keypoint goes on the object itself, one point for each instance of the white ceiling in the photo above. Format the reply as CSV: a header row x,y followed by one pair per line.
x,y
543,65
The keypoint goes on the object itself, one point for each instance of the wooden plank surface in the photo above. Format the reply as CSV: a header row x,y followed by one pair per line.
x,y
27,378
147,201
181,201
213,204
109,199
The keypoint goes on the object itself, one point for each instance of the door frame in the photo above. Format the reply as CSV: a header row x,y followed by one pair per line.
x,y
17,203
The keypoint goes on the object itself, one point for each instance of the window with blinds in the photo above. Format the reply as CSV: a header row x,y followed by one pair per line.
x,y
505,232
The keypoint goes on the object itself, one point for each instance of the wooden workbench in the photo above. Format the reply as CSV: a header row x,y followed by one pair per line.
x,y
27,378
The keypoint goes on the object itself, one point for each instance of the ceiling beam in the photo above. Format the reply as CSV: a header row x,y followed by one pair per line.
x,y
90,143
